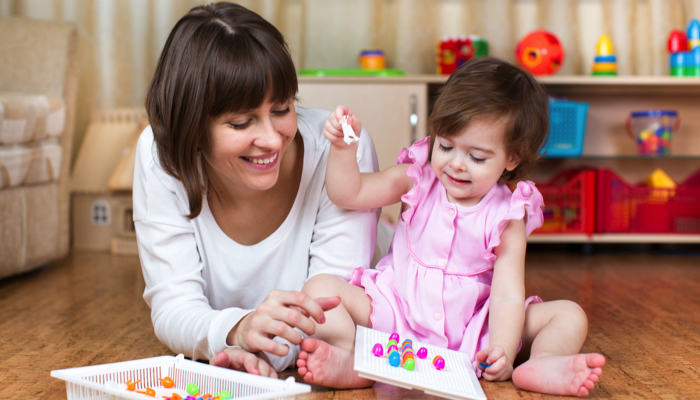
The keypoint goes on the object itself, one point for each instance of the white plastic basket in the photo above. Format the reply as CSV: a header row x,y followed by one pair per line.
x,y
104,381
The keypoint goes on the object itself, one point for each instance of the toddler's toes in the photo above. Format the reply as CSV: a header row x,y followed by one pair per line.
x,y
582,392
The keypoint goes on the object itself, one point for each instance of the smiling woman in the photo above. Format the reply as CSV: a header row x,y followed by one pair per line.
x,y
230,207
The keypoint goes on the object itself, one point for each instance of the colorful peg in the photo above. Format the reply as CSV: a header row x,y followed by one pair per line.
x,y
192,389
394,336
148,392
131,385
167,382
378,350
394,358
422,353
439,363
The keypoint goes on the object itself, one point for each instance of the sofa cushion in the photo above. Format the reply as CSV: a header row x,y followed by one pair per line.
x,y
23,165
26,118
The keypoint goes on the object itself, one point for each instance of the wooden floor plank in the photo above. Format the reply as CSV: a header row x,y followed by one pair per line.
x,y
643,310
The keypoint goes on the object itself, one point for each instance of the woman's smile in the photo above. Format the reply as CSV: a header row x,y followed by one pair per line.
x,y
262,162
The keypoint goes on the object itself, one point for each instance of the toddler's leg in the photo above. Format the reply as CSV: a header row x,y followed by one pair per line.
x,y
554,333
327,358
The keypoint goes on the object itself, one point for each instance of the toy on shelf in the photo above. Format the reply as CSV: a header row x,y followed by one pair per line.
x,y
453,51
605,62
372,59
652,130
684,49
663,183
540,53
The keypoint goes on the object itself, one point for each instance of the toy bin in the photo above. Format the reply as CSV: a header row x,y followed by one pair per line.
x,y
567,127
108,381
626,208
569,202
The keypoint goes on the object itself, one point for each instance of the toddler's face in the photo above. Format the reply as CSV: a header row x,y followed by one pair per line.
x,y
470,163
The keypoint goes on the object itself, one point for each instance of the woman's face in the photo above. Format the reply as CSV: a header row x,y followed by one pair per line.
x,y
247,147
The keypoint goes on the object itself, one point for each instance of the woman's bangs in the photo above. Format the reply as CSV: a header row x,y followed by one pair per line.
x,y
243,75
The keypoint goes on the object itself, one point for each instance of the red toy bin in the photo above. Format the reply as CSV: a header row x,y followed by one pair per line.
x,y
569,202
625,208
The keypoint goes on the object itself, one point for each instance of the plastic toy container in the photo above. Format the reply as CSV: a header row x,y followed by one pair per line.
x,y
569,202
652,131
567,128
102,381
627,208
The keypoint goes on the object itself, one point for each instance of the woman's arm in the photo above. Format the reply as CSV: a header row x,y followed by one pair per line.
x,y
183,318
346,185
506,303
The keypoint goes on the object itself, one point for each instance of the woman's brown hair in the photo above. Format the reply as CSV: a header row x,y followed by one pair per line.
x,y
492,89
219,58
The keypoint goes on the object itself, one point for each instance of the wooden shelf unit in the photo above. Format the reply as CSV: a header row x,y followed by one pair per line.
x,y
384,107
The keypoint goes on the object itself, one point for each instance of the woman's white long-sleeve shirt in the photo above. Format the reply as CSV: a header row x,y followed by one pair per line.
x,y
200,283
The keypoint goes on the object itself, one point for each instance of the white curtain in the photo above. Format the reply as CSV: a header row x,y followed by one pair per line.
x,y
122,39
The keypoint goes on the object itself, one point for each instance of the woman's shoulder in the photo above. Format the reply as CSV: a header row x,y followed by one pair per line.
x,y
310,123
147,163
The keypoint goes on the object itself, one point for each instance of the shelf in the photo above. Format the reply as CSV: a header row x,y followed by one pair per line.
x,y
627,157
614,238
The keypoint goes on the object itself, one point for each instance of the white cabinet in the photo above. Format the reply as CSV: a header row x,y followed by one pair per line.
x,y
393,111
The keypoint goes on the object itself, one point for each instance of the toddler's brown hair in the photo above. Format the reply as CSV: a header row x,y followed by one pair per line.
x,y
491,89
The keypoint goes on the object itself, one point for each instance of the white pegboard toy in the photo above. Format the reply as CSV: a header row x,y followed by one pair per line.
x,y
456,379
167,376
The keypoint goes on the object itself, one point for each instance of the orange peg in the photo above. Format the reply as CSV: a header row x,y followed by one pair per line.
x,y
148,392
167,382
176,396
131,385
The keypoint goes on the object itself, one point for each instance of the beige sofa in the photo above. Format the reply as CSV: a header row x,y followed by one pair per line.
x,y
38,88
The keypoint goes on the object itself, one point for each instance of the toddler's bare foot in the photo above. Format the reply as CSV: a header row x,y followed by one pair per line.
x,y
327,365
574,375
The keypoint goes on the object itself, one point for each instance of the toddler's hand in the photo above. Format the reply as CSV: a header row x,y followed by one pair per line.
x,y
333,130
499,368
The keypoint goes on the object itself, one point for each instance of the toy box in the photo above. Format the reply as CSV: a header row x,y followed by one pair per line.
x,y
103,381
567,128
628,208
569,202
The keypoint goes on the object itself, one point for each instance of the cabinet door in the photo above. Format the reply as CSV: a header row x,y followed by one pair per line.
x,y
386,111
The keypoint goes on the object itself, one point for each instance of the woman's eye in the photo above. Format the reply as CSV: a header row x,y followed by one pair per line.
x,y
240,126
281,112
477,160
443,148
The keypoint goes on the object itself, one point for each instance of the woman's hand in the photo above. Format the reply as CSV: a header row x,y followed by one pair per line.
x,y
499,368
278,315
241,360
332,129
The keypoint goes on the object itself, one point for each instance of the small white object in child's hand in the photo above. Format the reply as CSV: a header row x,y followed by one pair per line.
x,y
348,134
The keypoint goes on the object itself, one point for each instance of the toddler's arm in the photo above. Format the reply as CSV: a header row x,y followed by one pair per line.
x,y
345,185
506,303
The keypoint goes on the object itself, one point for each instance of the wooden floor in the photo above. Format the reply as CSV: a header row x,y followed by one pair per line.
x,y
643,309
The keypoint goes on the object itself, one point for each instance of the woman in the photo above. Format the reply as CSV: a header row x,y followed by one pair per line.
x,y
230,208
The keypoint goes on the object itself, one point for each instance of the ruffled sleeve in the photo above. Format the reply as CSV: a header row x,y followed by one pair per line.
x,y
418,156
525,202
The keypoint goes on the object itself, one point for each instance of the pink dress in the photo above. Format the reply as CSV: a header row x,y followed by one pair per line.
x,y
433,285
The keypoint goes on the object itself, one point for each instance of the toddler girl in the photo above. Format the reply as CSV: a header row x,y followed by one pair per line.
x,y
454,276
